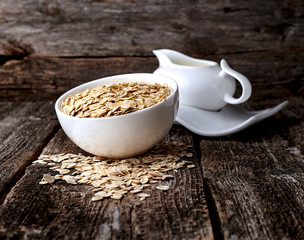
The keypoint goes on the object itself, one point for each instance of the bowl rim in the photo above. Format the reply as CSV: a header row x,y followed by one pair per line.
x,y
69,92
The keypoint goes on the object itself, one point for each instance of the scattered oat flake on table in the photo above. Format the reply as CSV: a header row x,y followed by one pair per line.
x,y
40,161
191,166
135,190
143,195
164,188
114,178
47,178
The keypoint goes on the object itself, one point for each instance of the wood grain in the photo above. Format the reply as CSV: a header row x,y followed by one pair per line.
x,y
245,186
46,78
255,178
25,128
272,74
135,28
57,210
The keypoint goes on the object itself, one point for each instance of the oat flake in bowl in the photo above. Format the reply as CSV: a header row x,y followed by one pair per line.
x,y
114,99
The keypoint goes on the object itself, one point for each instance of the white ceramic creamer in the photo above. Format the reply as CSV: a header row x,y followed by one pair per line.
x,y
202,84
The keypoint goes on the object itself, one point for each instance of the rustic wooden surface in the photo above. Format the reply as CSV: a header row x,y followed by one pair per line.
x,y
25,130
134,28
246,186
276,73
256,178
180,212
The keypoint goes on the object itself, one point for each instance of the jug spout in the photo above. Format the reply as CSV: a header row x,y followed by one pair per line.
x,y
162,57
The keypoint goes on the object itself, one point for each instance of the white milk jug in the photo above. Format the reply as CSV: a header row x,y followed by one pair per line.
x,y
202,84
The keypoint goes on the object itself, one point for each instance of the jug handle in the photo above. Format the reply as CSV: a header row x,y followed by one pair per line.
x,y
246,86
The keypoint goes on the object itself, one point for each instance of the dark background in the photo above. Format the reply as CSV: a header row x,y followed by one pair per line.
x,y
47,47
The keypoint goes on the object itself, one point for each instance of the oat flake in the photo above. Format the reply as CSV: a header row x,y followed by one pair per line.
x,y
114,178
114,99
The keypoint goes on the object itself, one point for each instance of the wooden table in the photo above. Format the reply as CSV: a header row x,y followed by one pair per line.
x,y
249,185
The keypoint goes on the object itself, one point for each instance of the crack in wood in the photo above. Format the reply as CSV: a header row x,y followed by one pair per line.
x,y
22,169
4,59
213,213
16,48
211,205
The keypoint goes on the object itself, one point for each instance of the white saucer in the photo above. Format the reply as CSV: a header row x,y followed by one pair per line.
x,y
228,120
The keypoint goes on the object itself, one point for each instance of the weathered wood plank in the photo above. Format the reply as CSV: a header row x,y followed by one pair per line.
x,y
256,180
47,78
128,28
59,210
25,129
272,74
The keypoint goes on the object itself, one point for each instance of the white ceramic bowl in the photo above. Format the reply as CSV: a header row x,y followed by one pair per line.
x,y
125,135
